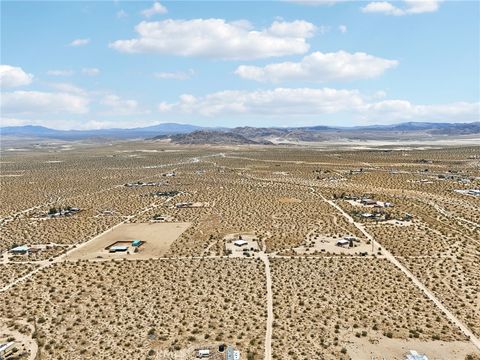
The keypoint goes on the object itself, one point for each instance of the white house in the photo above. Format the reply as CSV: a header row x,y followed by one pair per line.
x,y
240,242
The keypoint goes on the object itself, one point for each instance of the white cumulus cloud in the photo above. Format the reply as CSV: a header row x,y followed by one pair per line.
x,y
320,67
80,42
121,14
217,38
410,7
35,102
12,76
121,107
176,75
310,103
402,110
156,8
279,101
317,2
69,88
91,71
66,72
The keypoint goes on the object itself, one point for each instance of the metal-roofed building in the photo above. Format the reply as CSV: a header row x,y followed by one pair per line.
x,y
118,248
23,249
413,355
136,243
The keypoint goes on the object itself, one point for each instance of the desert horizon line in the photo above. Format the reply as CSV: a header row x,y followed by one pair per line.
x,y
220,127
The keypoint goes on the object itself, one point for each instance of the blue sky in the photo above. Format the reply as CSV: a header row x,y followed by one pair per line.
x,y
277,63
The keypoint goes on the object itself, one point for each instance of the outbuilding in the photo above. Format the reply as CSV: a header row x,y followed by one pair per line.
x,y
136,243
342,242
232,354
203,353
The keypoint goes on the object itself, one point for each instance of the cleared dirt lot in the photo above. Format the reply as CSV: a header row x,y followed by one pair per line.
x,y
377,347
157,239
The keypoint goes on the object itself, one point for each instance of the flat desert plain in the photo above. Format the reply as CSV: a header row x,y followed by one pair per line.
x,y
349,253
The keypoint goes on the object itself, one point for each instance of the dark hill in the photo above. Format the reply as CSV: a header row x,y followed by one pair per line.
x,y
210,138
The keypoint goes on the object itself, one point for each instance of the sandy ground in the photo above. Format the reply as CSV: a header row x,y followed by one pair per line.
x,y
23,342
397,223
157,236
287,200
392,349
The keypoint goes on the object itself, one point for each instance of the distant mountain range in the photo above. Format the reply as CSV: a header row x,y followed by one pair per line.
x,y
141,132
191,134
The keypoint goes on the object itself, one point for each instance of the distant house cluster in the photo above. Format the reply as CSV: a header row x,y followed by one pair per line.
x,y
424,161
375,216
26,249
228,352
161,218
454,175
375,203
141,184
186,205
165,193
367,201
471,192
59,212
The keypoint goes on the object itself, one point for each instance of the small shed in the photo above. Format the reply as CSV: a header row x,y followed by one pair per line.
x,y
136,243
342,242
203,353
232,354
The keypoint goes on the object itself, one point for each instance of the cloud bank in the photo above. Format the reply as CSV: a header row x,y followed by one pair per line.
x,y
310,103
35,102
411,7
219,39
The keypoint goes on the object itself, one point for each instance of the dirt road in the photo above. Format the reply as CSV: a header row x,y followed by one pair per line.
x,y
389,256
268,334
